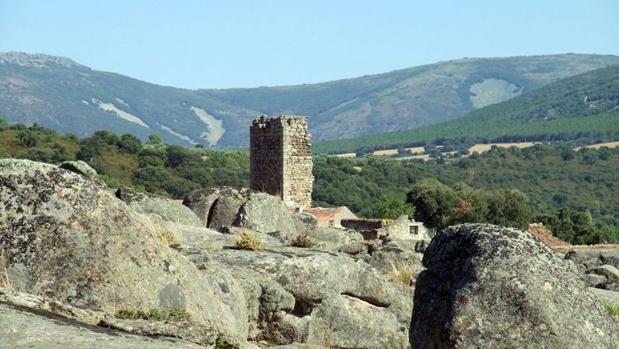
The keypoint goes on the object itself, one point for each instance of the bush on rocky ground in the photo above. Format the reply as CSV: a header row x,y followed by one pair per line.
x,y
247,241
303,241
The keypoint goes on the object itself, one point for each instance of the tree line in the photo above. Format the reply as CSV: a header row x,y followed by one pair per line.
x,y
572,192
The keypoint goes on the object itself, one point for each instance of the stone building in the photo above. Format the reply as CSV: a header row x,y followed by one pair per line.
x,y
281,159
401,228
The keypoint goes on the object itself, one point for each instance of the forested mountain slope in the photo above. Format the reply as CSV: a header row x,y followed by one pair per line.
x,y
586,105
61,94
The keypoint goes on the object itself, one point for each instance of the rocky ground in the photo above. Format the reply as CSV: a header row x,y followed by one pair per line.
x,y
82,265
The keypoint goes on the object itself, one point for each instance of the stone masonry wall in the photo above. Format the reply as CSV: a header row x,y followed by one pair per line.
x,y
266,163
281,159
298,178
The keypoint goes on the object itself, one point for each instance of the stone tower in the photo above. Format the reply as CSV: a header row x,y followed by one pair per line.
x,y
281,159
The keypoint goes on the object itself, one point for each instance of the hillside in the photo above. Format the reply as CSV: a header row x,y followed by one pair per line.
x,y
552,177
413,97
61,94
586,105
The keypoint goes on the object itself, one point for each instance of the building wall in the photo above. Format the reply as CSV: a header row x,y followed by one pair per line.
x,y
400,228
266,162
281,159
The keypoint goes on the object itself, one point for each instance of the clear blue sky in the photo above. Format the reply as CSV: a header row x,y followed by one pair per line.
x,y
229,43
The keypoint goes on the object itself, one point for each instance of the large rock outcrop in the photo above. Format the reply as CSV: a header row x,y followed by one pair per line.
x,y
317,297
493,287
66,237
20,328
167,209
29,321
82,168
349,322
267,214
219,208
83,253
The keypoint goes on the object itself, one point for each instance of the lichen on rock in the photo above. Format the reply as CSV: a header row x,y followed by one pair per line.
x,y
493,287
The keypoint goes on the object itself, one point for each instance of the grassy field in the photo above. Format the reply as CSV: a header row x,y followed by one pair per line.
x,y
465,129
482,148
609,145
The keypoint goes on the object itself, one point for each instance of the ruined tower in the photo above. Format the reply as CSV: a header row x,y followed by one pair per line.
x,y
281,159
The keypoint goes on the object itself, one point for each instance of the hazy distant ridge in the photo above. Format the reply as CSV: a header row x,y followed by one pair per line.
x,y
62,94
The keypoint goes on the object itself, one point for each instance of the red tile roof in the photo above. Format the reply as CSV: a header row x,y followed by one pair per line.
x,y
327,214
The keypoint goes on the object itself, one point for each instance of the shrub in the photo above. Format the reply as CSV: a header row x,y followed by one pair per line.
x,y
167,237
154,139
302,240
612,310
392,206
248,241
401,276
129,143
27,138
106,137
154,314
222,342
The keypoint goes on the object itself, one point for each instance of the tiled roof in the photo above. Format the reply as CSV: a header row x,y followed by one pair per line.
x,y
327,214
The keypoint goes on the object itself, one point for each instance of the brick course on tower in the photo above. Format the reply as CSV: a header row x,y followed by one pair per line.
x,y
281,159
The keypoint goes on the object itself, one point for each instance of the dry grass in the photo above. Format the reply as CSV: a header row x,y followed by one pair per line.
x,y
545,235
346,155
167,237
424,157
416,150
610,145
401,276
385,152
303,241
482,148
5,281
248,241
154,314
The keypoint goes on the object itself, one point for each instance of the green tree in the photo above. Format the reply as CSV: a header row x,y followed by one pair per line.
x,y
27,138
392,206
583,228
86,152
471,205
105,137
576,227
130,144
154,139
150,157
604,153
433,202
161,180
509,208
178,156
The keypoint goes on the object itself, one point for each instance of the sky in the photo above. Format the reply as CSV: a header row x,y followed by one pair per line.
x,y
233,43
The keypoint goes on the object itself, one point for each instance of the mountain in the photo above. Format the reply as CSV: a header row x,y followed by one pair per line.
x,y
413,97
580,106
66,96
61,94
